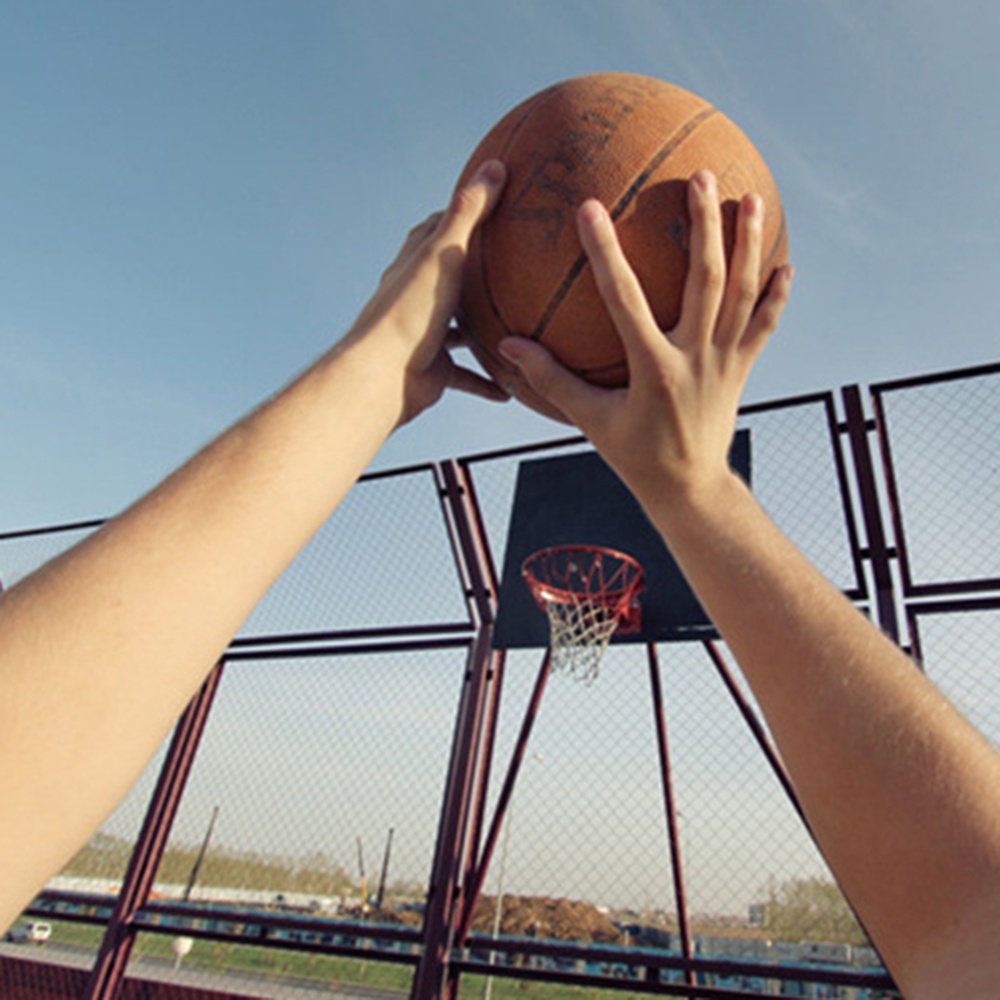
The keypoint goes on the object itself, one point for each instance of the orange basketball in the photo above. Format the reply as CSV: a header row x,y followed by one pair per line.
x,y
632,142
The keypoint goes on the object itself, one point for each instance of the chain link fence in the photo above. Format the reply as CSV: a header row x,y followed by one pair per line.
x,y
649,833
383,559
939,446
588,820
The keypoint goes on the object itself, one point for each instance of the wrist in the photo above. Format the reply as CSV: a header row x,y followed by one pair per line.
x,y
371,369
686,505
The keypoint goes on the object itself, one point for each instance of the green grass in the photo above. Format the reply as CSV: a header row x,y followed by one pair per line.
x,y
223,956
86,937
277,963
219,957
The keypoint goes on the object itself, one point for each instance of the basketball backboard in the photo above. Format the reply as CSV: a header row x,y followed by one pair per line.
x,y
577,499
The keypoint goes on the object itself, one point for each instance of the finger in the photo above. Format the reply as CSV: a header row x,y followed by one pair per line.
x,y
743,282
473,383
432,266
617,283
472,202
422,229
415,238
767,314
706,277
557,385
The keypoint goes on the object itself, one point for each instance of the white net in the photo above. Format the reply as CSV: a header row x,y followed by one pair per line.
x,y
587,592
581,630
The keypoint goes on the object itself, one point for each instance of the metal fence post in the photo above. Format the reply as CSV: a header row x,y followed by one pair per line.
x,y
878,551
112,958
670,808
444,897
443,893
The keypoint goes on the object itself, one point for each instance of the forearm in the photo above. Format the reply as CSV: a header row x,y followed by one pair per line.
x,y
902,794
102,648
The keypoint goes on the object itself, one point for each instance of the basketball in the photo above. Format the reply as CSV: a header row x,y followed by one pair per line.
x,y
632,142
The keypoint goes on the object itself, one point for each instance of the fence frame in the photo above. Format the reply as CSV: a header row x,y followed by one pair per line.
x,y
445,948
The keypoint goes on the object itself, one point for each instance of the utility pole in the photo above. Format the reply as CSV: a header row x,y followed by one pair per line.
x,y
193,877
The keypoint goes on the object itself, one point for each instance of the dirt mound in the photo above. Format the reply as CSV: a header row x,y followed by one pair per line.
x,y
545,917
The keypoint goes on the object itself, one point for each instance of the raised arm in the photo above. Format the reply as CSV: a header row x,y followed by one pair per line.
x,y
102,648
901,792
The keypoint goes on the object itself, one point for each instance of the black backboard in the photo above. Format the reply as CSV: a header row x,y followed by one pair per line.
x,y
578,500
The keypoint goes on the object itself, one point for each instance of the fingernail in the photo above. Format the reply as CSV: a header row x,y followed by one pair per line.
x,y
592,211
704,180
753,205
492,172
510,349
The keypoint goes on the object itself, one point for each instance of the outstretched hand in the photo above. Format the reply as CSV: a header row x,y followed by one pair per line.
x,y
670,429
417,296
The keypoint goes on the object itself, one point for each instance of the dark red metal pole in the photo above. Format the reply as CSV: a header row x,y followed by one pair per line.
x,y
475,887
767,747
878,549
112,958
485,769
667,784
755,726
468,542
478,807
462,806
440,911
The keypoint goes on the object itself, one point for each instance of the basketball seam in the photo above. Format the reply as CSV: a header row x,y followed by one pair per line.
x,y
670,146
539,99
602,369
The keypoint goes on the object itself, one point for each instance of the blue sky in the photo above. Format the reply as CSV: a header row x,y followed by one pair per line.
x,y
199,197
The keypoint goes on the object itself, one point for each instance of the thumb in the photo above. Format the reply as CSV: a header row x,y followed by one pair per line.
x,y
551,380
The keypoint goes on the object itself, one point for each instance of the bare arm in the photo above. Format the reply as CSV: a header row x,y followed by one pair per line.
x,y
102,648
901,792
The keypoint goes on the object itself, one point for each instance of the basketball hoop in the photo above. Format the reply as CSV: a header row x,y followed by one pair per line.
x,y
588,593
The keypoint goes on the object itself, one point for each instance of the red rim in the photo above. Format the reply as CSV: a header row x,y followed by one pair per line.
x,y
616,589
